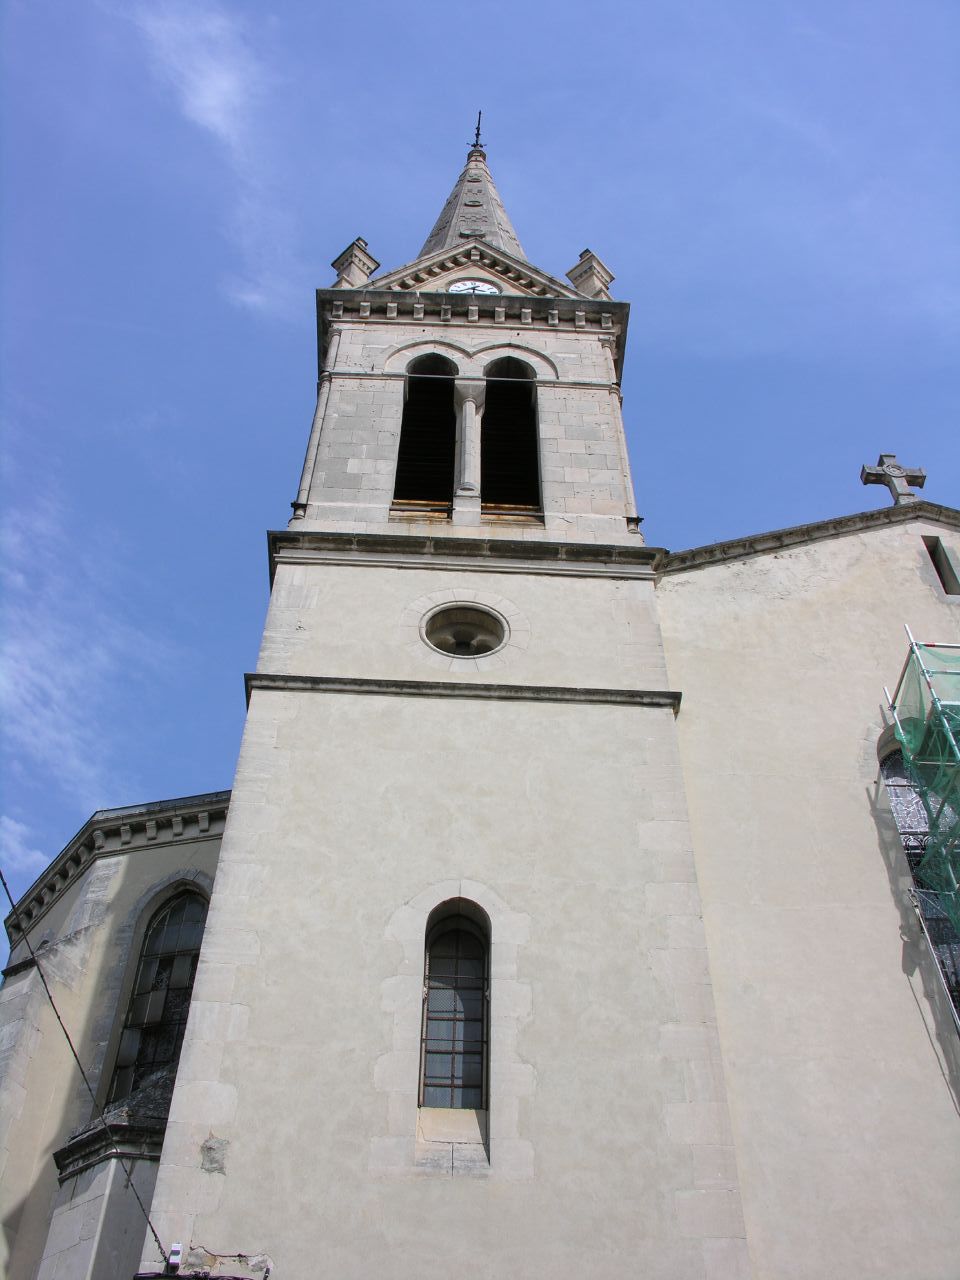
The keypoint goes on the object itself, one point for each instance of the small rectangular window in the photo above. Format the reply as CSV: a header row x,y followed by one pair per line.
x,y
945,563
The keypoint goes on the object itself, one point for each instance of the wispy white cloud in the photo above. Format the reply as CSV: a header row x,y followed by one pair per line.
x,y
68,656
270,280
18,857
202,52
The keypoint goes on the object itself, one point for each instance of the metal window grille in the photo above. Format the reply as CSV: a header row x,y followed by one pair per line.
x,y
454,1039
157,1015
913,825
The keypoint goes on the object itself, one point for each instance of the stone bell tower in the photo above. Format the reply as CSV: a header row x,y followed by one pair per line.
x,y
468,302
452,1011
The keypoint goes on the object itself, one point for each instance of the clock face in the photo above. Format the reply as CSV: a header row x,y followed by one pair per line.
x,y
472,286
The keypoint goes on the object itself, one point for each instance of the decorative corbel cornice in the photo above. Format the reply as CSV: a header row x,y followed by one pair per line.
x,y
117,831
390,306
137,1140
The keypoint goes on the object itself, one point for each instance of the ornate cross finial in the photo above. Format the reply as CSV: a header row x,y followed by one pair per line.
x,y
897,478
476,139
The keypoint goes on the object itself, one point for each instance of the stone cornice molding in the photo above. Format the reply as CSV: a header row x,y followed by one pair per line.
x,y
469,255
132,1128
399,375
109,832
140,1139
550,312
454,689
500,555
579,559
670,562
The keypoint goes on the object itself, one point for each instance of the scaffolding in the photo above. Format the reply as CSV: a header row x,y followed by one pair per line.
x,y
926,715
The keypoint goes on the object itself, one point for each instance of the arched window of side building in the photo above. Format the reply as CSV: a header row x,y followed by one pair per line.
x,y
509,438
160,1001
428,433
455,1008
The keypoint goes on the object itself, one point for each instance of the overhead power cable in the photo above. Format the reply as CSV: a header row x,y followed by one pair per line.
x,y
76,1057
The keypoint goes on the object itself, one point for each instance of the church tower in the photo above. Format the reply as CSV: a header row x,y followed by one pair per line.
x,y
469,393
452,1013
511,967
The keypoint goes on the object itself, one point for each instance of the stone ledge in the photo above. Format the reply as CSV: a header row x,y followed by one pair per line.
x,y
140,1140
530,555
133,1129
450,689
579,559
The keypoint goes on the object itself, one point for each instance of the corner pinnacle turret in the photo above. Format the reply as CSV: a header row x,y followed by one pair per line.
x,y
474,210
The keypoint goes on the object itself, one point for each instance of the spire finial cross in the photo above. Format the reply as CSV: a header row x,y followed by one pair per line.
x,y
896,477
476,138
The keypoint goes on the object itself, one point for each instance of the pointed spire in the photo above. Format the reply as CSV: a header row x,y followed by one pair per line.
x,y
474,209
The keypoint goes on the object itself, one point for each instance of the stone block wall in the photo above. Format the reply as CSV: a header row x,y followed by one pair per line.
x,y
86,919
355,814
585,480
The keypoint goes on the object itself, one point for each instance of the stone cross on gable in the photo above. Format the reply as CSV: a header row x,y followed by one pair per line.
x,y
897,478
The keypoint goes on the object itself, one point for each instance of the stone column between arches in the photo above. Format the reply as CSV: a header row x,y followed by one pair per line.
x,y
468,396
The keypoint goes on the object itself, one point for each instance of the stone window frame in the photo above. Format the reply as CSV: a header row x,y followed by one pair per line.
x,y
129,938
412,617
531,425
494,1146
434,506
169,903
470,382
462,916
470,361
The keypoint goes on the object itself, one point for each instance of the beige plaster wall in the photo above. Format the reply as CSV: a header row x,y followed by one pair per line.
x,y
349,620
841,1074
351,817
87,942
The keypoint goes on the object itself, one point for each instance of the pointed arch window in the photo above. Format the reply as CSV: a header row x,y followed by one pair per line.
x,y
509,440
156,1018
455,1012
428,432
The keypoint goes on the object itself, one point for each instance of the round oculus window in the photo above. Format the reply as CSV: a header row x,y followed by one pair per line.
x,y
464,630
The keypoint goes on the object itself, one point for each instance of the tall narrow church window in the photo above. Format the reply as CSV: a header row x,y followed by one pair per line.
x,y
428,433
509,444
910,816
945,564
454,1044
157,1015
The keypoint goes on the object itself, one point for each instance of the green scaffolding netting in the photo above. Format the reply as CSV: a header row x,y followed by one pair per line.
x,y
927,710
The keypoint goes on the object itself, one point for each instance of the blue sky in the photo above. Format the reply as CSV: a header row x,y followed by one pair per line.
x,y
773,183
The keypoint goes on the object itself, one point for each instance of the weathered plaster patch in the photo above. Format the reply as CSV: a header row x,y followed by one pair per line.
x,y
213,1154
257,1266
